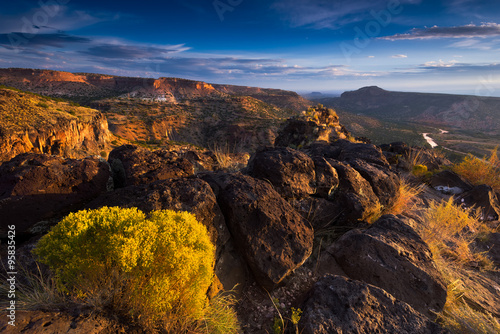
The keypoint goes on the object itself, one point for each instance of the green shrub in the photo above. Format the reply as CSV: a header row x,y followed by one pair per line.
x,y
420,170
147,267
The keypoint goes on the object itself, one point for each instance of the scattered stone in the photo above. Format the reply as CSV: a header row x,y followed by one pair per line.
x,y
339,305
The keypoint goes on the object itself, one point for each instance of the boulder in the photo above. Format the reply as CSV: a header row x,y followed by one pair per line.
x,y
291,172
449,183
133,165
482,197
339,305
37,187
392,256
327,179
385,183
346,151
272,237
361,151
354,194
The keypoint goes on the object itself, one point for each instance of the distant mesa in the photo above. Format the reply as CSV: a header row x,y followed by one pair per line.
x,y
365,92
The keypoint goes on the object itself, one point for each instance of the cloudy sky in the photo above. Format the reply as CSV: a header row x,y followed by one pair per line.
x,y
450,46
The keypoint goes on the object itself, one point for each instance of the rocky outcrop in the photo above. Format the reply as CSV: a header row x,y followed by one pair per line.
x,y
133,165
291,172
36,187
340,305
392,256
31,124
272,237
317,124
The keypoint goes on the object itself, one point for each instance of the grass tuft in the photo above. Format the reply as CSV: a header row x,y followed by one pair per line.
x,y
481,171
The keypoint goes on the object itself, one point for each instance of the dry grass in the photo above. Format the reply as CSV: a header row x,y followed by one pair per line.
x,y
450,232
481,171
405,198
35,291
222,156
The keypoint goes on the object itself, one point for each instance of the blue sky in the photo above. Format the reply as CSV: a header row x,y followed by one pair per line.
x,y
450,46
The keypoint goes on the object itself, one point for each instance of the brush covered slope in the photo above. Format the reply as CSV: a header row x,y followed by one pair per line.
x,y
317,234
34,123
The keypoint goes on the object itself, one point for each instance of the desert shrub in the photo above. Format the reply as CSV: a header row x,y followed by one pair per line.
x,y
481,171
155,268
420,170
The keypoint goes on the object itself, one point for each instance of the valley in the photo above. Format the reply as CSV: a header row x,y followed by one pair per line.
x,y
472,122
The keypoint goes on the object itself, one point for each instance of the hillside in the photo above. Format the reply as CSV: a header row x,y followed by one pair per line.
x,y
159,111
85,87
34,123
473,122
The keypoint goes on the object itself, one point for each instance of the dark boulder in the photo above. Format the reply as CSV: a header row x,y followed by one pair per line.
x,y
354,194
290,171
449,183
392,256
339,305
133,165
37,187
385,183
272,237
327,179
482,197
360,151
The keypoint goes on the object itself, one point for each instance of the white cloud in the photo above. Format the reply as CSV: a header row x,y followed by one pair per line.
x,y
399,56
440,63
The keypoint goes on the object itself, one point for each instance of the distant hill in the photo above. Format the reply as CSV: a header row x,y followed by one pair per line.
x,y
473,122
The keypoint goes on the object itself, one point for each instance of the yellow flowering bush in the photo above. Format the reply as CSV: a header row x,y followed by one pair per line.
x,y
148,266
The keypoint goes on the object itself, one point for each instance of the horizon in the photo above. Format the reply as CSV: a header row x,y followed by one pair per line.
x,y
424,46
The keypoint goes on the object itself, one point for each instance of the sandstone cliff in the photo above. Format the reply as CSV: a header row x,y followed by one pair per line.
x,y
31,123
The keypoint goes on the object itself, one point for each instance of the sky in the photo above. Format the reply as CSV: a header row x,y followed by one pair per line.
x,y
445,46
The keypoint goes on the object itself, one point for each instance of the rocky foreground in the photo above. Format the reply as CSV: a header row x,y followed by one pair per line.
x,y
371,274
